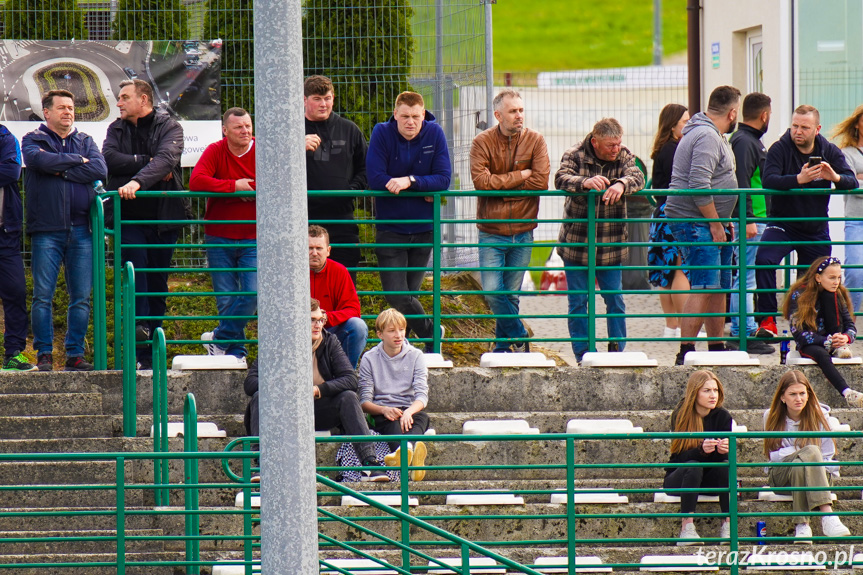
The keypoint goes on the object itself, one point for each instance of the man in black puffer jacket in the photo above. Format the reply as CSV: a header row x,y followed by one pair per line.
x,y
143,150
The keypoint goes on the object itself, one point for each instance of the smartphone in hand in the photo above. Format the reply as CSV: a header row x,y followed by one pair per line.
x,y
814,161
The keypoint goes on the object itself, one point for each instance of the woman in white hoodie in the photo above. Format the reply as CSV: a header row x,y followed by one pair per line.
x,y
795,407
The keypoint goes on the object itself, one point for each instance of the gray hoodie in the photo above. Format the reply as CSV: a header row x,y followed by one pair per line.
x,y
854,202
394,381
787,447
703,160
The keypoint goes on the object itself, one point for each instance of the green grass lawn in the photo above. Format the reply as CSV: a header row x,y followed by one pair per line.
x,y
576,34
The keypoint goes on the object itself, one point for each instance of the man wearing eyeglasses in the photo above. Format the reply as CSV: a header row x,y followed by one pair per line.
x,y
334,389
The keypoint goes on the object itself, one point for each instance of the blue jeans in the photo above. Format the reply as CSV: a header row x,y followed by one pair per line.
x,y
392,281
516,254
701,255
854,256
352,334
74,250
734,308
611,279
235,254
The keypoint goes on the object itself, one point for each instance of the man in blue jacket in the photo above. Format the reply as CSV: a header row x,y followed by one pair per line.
x,y
801,158
407,157
62,165
13,288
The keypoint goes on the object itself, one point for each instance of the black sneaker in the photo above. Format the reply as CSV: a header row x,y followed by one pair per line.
x,y
758,347
521,347
45,362
142,332
373,475
145,363
77,364
18,362
613,346
681,355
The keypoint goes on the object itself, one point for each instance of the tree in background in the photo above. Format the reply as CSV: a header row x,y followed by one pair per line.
x,y
232,21
151,20
43,20
365,47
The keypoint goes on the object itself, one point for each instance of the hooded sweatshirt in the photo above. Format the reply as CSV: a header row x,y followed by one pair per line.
x,y
854,202
425,157
787,447
703,161
394,381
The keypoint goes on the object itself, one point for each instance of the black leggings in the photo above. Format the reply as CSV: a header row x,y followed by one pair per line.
x,y
694,477
822,358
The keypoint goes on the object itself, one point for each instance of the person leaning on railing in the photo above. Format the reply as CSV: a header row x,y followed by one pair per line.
x,y
508,156
850,134
818,308
143,149
704,161
599,162
228,166
795,408
407,156
700,410
801,158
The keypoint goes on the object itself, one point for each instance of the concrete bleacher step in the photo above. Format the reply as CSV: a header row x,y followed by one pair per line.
x,y
715,358
581,498
204,429
530,359
365,566
207,362
584,564
781,497
794,358
498,427
589,426
618,359
78,547
484,499
33,427
802,561
51,404
675,563
474,564
392,499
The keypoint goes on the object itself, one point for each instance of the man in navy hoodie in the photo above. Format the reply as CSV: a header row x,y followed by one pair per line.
x,y
13,289
801,158
62,165
407,157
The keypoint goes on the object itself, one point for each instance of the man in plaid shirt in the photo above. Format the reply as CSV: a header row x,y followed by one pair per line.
x,y
599,163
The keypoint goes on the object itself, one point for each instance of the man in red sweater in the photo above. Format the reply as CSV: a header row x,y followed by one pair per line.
x,y
228,166
332,286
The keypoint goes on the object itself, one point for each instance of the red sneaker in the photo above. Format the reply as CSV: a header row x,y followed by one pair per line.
x,y
767,328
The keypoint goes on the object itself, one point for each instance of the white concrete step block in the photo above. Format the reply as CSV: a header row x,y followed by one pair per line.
x,y
484,499
666,498
799,561
720,358
531,359
583,564
738,428
202,362
581,497
233,569
348,564
617,359
794,358
498,427
239,500
836,425
858,558
485,562
391,499
430,431
782,496
437,361
601,426
677,562
325,433
205,429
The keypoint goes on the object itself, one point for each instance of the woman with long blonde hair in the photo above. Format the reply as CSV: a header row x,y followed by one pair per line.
x,y
794,408
849,133
700,410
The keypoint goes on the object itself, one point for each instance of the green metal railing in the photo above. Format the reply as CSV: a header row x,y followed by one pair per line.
x,y
370,536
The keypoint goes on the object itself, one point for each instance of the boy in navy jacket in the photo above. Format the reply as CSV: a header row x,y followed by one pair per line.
x,y
407,156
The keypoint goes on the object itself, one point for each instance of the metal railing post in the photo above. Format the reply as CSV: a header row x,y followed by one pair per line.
x,y
100,306
437,253
119,352
121,515
404,478
130,395
191,476
570,504
161,470
591,270
742,271
732,501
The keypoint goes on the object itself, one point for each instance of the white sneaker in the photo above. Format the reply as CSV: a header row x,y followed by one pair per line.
x,y
843,352
725,531
671,332
854,398
212,348
833,527
689,532
803,534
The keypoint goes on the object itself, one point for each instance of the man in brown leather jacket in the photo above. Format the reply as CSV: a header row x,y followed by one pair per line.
x,y
507,157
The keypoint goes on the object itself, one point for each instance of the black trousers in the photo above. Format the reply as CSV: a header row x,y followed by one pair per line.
x,y
822,358
13,292
765,303
694,477
386,427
